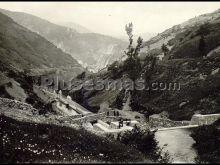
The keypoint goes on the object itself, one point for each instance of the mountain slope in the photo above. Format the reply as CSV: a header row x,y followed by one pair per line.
x,y
25,142
146,36
177,32
77,27
195,68
86,48
24,53
26,50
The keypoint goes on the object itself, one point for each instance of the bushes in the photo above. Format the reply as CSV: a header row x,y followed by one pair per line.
x,y
203,30
119,100
81,75
198,43
133,67
114,69
207,144
144,141
31,142
164,49
202,46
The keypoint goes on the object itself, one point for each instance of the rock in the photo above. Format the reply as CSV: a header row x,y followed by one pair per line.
x,y
202,77
215,71
214,51
101,154
164,114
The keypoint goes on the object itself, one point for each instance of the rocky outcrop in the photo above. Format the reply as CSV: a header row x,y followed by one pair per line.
x,y
4,102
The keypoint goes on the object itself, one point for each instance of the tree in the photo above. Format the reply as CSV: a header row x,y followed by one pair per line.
x,y
81,75
202,45
132,64
119,100
114,69
203,30
207,143
165,49
141,140
134,67
144,141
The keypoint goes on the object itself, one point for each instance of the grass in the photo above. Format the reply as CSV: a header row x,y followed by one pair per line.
x,y
24,142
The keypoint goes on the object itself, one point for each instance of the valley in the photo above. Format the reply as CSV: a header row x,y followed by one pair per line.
x,y
71,95
90,49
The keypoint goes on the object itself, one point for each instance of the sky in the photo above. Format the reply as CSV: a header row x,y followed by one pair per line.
x,y
110,17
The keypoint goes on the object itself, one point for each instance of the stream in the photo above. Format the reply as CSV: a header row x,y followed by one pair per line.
x,y
178,144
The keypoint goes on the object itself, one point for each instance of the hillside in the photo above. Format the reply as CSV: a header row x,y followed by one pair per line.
x,y
24,142
146,36
177,33
29,132
24,53
24,49
195,68
90,49
75,26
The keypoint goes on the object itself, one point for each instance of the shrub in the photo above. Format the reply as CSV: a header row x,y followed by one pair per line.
x,y
114,69
164,49
203,30
207,143
57,144
144,141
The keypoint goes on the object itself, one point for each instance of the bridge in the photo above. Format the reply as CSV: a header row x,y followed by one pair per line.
x,y
76,111
196,121
174,128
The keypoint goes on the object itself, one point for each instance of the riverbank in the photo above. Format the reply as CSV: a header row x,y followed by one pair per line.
x,y
178,143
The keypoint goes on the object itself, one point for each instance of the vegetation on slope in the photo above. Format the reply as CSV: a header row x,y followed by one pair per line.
x,y
192,62
31,143
24,54
144,141
207,144
24,49
86,47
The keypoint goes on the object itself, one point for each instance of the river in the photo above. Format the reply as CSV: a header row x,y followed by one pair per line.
x,y
179,144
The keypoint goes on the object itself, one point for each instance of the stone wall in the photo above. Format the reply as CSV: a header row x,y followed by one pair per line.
x,y
43,94
157,122
104,124
16,104
88,117
198,119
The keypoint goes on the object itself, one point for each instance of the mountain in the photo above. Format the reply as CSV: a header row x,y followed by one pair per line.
x,y
169,36
24,53
26,50
77,27
146,36
193,62
92,50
